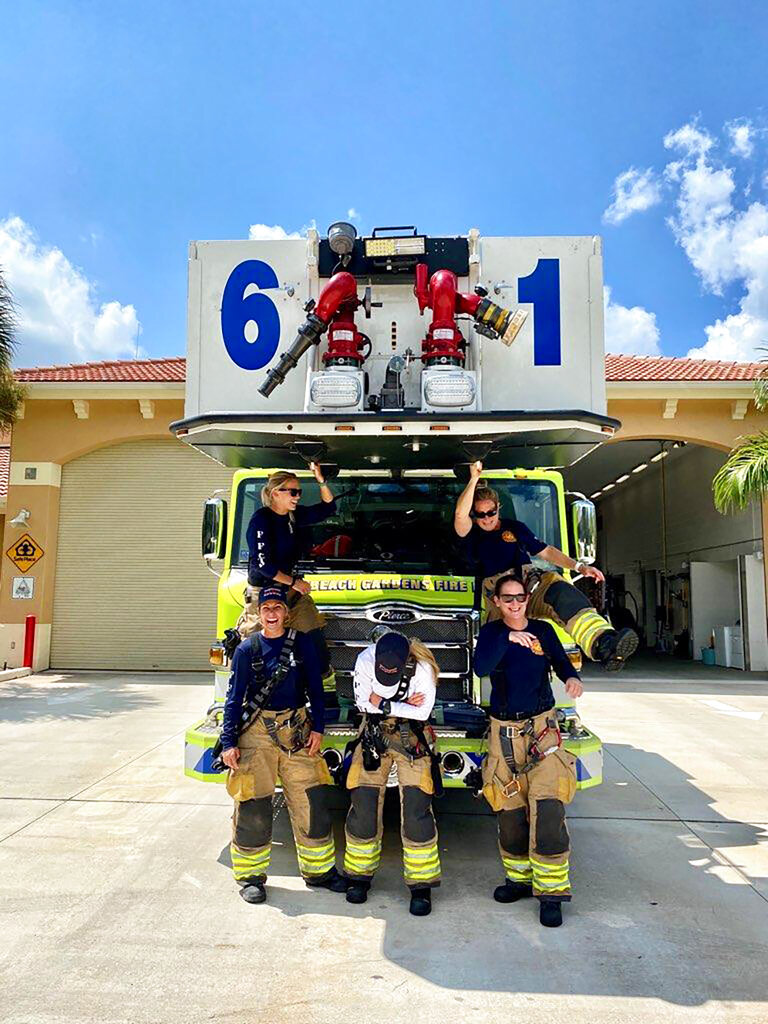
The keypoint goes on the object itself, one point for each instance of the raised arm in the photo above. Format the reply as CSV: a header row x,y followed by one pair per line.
x,y
462,520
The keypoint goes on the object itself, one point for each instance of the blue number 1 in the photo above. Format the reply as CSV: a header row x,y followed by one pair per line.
x,y
542,288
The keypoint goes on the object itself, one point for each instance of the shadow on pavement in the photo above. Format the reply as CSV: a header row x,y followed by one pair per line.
x,y
657,913
651,673
58,695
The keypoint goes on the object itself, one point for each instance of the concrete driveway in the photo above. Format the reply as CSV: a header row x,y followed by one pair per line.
x,y
117,903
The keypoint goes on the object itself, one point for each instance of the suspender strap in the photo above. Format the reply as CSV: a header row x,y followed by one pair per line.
x,y
405,679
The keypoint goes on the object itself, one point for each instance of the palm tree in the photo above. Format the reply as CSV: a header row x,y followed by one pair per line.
x,y
744,475
11,392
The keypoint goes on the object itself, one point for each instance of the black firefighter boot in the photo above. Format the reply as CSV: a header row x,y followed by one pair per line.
x,y
421,902
253,892
551,913
614,647
511,891
333,881
357,890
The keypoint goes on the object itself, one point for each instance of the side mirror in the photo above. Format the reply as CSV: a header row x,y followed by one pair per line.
x,y
584,529
214,538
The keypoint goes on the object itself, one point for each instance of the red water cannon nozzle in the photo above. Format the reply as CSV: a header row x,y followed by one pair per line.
x,y
444,343
333,311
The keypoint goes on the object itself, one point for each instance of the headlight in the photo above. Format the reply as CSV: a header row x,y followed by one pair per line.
x,y
449,389
335,390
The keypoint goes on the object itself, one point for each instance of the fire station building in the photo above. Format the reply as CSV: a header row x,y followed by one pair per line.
x,y
102,510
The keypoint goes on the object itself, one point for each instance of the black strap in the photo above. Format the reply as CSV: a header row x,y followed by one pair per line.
x,y
260,691
404,683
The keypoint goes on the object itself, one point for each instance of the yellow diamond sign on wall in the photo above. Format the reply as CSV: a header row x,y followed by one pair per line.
x,y
25,552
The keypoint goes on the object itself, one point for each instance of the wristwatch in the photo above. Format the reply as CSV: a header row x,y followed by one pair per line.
x,y
385,707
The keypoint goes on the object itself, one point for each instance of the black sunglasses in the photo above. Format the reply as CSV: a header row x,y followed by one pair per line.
x,y
486,515
509,598
295,492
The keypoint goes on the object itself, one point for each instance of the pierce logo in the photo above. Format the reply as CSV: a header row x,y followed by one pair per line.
x,y
395,615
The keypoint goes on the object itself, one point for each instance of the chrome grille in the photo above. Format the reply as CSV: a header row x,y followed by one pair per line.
x,y
358,629
447,689
453,660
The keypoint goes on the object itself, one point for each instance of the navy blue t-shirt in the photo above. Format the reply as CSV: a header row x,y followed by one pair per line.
x,y
303,681
494,551
275,543
520,675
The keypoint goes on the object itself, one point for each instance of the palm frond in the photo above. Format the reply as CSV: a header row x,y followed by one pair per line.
x,y
761,390
8,325
744,475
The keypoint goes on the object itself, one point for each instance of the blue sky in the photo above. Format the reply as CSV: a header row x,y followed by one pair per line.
x,y
130,129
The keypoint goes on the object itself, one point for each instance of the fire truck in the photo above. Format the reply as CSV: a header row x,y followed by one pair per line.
x,y
394,361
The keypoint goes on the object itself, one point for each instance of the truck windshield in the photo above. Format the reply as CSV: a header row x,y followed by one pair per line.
x,y
403,524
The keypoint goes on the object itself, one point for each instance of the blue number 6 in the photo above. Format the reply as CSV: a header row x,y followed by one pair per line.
x,y
237,312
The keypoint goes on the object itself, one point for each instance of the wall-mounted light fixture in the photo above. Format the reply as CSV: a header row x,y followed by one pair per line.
x,y
21,518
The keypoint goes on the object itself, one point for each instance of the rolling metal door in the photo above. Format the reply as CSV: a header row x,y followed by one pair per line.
x,y
131,589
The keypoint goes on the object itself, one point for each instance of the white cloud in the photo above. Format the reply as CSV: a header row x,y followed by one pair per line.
x,y
353,214
633,192
631,330
59,316
263,232
726,245
742,134
690,139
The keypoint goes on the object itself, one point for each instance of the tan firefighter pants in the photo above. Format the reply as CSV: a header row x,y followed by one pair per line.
x,y
533,838
306,784
302,613
554,598
364,827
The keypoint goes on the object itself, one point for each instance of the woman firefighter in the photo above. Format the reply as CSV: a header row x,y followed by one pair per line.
x,y
528,777
497,546
277,536
395,684
269,733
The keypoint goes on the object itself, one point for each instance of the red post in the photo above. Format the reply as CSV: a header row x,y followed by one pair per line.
x,y
29,640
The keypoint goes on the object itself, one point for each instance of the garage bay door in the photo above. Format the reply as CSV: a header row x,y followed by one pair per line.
x,y
132,591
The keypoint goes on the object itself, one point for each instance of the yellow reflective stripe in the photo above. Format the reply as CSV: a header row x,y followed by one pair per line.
x,y
423,853
517,870
548,866
586,624
315,852
362,858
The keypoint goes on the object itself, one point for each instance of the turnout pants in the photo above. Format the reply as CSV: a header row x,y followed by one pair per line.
x,y
364,827
554,598
533,838
306,784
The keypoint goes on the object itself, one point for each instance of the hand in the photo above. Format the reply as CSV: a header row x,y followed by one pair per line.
x,y
375,699
416,699
476,470
318,473
524,639
573,687
314,743
302,586
593,571
231,757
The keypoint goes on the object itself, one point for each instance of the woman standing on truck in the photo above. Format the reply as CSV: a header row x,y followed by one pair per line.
x,y
528,777
277,536
395,687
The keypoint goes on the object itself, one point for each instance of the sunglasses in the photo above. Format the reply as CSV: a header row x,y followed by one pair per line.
x,y
295,492
486,515
509,598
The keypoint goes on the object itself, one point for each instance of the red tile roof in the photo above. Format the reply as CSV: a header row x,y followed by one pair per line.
x,y
661,368
617,368
5,470
133,371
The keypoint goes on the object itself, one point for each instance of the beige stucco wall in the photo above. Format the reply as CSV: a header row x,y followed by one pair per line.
x,y
50,435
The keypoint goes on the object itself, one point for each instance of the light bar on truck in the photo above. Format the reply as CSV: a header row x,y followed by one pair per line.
x,y
333,390
411,245
449,389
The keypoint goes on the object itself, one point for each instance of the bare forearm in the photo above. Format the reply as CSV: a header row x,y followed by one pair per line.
x,y
461,517
557,557
326,493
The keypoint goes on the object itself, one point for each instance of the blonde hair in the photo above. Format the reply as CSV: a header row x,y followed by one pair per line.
x,y
485,493
275,481
422,653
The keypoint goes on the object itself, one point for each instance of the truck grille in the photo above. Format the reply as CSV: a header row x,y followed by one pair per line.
x,y
448,636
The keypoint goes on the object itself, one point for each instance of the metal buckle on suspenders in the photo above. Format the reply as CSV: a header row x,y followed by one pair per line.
x,y
535,755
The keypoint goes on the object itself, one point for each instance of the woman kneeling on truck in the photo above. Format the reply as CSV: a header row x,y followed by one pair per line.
x,y
395,686
277,537
528,777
